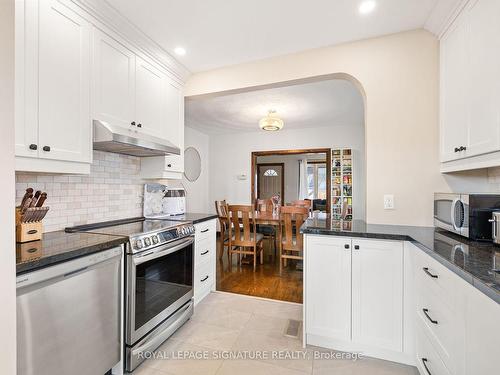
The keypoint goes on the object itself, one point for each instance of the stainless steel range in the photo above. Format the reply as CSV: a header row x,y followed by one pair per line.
x,y
158,280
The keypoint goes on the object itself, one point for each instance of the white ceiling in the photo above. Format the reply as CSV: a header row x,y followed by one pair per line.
x,y
326,103
217,33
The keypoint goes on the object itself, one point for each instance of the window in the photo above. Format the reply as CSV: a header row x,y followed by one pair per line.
x,y
270,173
316,181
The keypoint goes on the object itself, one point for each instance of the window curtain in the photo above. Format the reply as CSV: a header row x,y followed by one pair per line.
x,y
303,194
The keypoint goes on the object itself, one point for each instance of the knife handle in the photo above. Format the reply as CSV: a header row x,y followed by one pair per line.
x,y
41,200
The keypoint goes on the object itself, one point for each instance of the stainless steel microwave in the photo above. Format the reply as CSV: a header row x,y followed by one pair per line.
x,y
466,214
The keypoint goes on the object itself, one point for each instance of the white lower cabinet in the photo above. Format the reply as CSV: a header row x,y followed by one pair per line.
x,y
377,294
328,270
391,300
354,295
204,259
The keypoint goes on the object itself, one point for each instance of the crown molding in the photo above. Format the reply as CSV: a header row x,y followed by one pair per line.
x,y
109,17
443,15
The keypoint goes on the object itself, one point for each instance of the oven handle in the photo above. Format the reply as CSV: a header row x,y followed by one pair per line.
x,y
162,250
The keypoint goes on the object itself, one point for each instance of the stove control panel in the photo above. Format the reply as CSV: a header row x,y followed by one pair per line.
x,y
148,241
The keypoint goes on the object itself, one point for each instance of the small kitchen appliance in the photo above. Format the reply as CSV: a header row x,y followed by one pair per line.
x,y
162,202
467,215
159,258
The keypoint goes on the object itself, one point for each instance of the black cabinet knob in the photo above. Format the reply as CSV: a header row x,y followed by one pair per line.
x,y
463,148
132,123
356,247
46,148
346,246
169,165
33,146
456,149
139,125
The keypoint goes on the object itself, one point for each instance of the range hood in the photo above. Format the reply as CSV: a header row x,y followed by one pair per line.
x,y
112,138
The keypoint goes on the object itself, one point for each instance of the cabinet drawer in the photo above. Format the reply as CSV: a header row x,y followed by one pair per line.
x,y
441,324
204,279
434,277
204,251
428,361
204,230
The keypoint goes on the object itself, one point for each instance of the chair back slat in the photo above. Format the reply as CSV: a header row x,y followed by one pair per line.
x,y
244,234
292,218
263,205
302,203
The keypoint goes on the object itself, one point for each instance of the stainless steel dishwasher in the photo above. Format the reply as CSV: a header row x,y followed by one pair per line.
x,y
68,317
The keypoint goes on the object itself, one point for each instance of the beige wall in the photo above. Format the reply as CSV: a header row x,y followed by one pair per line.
x,y
7,251
399,76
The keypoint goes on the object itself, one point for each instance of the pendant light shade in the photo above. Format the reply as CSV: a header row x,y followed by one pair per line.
x,y
271,122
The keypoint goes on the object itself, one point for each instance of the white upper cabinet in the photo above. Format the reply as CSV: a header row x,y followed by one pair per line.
x,y
470,88
53,124
64,124
114,81
377,293
453,92
151,99
484,77
71,68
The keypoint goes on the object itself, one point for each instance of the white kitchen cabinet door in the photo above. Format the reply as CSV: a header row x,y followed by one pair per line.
x,y
454,114
26,78
377,293
482,332
64,127
328,287
150,98
483,53
114,81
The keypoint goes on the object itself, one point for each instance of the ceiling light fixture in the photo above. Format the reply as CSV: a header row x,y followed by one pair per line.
x,y
367,6
180,51
271,122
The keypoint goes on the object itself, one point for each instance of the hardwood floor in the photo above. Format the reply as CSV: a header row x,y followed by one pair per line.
x,y
265,282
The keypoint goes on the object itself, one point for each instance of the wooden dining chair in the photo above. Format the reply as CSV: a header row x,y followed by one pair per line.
x,y
291,241
269,231
243,236
221,210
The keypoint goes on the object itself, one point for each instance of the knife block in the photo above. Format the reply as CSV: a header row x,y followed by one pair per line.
x,y
26,232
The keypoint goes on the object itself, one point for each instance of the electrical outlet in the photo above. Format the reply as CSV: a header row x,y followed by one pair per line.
x,y
388,202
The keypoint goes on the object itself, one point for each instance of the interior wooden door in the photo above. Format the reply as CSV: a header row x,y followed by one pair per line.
x,y
270,180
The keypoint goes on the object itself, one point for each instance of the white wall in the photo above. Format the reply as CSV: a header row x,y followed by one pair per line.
x,y
399,76
7,251
197,197
230,156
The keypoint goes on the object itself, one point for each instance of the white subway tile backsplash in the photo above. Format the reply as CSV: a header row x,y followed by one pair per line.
x,y
113,190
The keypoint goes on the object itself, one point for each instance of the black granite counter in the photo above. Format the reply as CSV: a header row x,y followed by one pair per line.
x,y
471,260
194,217
57,247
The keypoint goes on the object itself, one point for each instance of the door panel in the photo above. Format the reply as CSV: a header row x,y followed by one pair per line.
x,y
453,93
114,81
377,293
64,84
150,98
270,181
328,287
484,69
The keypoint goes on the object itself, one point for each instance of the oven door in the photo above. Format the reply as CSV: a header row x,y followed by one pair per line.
x,y
159,282
449,212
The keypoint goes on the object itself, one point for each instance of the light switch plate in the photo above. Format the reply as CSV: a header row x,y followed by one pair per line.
x,y
388,202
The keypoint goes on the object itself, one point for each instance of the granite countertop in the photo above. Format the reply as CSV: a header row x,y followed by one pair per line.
x,y
194,217
59,246
473,261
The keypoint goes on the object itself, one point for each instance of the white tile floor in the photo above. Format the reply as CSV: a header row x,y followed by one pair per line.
x,y
242,324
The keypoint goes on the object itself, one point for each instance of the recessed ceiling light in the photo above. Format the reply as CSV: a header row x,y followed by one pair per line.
x,y
367,6
180,51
